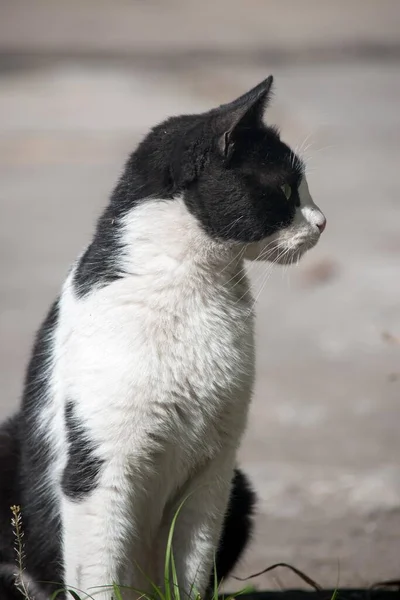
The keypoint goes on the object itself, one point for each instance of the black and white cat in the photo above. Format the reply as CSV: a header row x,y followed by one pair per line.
x,y
141,376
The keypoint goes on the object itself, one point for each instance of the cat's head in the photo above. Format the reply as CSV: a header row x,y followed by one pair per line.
x,y
243,184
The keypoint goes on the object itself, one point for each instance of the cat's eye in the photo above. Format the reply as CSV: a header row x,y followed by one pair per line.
x,y
287,190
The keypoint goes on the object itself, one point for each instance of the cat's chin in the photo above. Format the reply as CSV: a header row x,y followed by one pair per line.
x,y
288,258
280,254
291,256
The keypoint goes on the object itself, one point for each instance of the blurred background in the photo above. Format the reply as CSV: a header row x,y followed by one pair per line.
x,y
80,83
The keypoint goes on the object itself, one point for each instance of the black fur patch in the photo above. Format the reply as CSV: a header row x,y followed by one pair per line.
x,y
81,473
226,164
41,534
9,491
9,495
98,266
41,519
237,528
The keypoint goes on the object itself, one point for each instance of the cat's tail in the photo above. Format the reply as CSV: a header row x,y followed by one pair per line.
x,y
238,526
18,586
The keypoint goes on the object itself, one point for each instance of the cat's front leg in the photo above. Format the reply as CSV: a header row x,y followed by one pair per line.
x,y
100,530
199,523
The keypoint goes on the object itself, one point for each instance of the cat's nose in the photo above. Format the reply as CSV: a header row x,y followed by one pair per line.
x,y
321,224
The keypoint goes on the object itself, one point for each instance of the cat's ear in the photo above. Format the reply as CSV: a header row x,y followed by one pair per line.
x,y
245,111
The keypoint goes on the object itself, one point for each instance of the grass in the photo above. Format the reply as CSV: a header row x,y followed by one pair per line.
x,y
170,590
16,523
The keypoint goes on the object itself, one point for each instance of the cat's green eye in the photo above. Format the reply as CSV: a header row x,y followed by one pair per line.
x,y
287,190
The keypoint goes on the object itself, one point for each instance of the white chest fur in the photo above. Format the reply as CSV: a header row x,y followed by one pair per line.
x,y
160,367
167,349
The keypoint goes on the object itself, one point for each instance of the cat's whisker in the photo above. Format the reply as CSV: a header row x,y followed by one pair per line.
x,y
241,270
262,255
232,225
255,264
263,268
237,257
323,148
265,280
300,149
286,272
307,158
247,270
267,273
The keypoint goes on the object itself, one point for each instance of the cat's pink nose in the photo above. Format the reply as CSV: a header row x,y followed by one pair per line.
x,y
321,224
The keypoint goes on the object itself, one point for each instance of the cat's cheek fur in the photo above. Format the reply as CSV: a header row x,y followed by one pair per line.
x,y
290,243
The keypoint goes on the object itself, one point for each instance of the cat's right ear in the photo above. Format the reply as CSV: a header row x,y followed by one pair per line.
x,y
246,111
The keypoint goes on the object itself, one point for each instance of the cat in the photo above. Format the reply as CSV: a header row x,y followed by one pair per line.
x,y
44,561
138,389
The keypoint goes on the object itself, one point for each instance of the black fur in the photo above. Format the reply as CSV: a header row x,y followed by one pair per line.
x,y
9,484
226,164
238,526
83,467
40,512
99,264
10,494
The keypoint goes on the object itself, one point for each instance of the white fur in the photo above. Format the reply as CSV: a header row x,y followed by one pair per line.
x,y
160,364
289,244
310,213
165,351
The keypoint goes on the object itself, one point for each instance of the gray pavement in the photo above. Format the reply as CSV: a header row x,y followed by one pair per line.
x,y
80,84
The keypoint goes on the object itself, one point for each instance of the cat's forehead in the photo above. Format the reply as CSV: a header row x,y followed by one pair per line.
x,y
263,148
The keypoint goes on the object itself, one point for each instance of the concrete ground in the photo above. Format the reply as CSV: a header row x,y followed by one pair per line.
x,y
79,85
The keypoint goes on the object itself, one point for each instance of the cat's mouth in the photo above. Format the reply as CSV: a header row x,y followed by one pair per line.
x,y
286,251
290,253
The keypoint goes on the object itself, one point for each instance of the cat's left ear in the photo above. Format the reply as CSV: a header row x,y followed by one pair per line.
x,y
246,111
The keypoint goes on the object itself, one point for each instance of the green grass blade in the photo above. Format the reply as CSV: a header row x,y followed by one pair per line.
x,y
168,552
55,594
117,592
246,590
216,587
71,589
61,591
120,587
177,594
158,591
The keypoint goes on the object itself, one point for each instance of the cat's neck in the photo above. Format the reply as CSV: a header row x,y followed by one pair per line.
x,y
161,237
